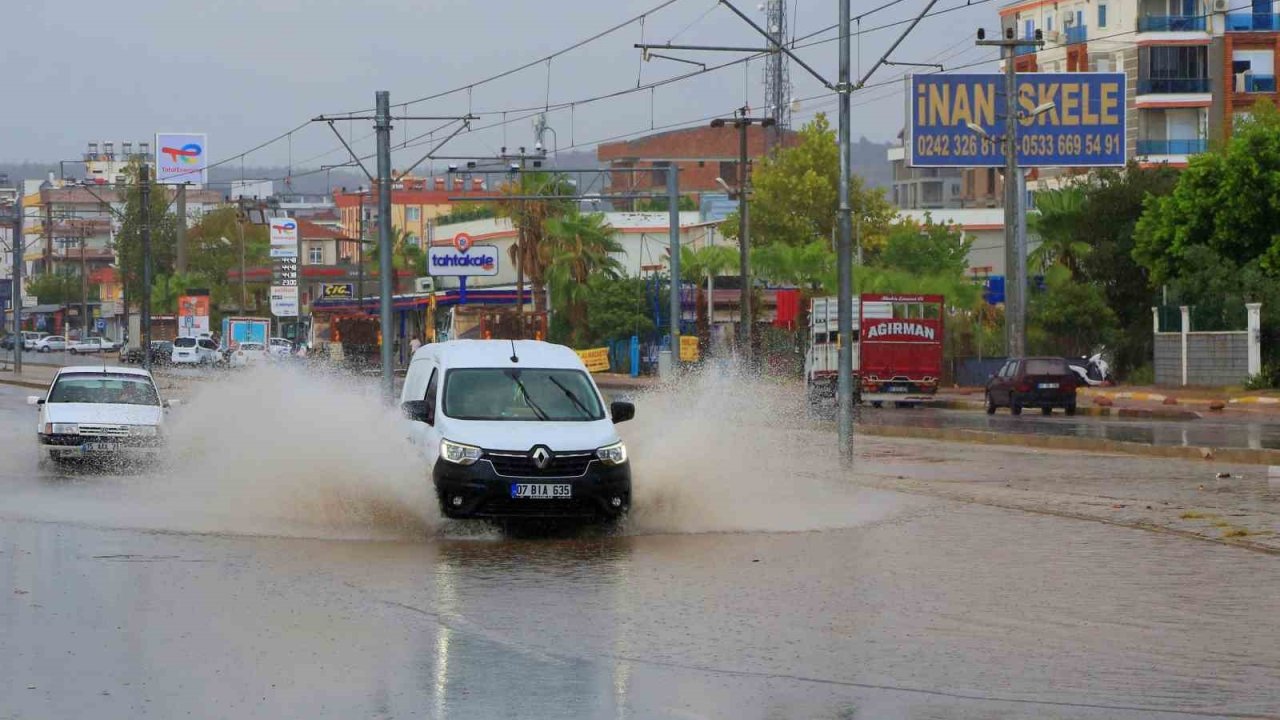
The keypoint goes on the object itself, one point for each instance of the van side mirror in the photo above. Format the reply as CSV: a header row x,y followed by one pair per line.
x,y
419,411
621,411
35,400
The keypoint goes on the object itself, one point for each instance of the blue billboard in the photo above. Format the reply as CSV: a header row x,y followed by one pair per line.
x,y
1065,120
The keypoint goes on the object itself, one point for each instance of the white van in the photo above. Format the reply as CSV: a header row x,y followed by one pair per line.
x,y
516,429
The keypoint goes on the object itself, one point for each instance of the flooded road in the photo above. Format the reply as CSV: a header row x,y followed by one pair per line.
x,y
1207,431
756,581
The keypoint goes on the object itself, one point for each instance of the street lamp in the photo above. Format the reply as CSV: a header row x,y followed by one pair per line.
x,y
742,122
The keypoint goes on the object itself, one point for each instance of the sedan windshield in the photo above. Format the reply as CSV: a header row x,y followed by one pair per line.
x,y
104,388
520,394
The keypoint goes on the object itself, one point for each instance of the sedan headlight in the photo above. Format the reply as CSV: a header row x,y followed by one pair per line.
x,y
459,454
144,430
61,429
615,454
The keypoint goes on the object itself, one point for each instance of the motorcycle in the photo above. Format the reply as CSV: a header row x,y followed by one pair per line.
x,y
1093,370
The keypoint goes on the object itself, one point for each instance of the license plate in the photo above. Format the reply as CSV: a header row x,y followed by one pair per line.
x,y
541,491
1048,386
897,388
99,447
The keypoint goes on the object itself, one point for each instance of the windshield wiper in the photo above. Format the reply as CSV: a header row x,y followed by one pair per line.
x,y
528,400
572,397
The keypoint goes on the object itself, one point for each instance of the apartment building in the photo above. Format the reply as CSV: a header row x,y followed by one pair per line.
x,y
1193,66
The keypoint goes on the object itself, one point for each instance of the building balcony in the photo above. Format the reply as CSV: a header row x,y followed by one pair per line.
x,y
1157,86
1171,23
1076,35
1253,83
1025,50
1172,147
1253,22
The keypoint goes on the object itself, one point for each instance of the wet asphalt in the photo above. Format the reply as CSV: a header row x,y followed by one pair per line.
x,y
916,607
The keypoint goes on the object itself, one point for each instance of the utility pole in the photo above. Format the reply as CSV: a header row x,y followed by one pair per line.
x,y
15,289
84,289
180,234
144,179
360,259
382,127
244,295
743,123
844,252
673,215
1015,250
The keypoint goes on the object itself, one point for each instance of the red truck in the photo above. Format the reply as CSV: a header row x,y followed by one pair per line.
x,y
899,347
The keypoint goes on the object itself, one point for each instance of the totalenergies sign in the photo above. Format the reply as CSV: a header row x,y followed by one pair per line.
x,y
182,158
284,237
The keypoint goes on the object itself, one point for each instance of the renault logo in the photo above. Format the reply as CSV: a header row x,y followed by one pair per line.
x,y
541,457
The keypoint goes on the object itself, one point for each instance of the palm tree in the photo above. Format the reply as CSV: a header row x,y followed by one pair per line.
x,y
707,262
1055,222
805,266
531,217
579,246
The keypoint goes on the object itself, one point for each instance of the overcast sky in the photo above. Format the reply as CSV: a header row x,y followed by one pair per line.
x,y
245,71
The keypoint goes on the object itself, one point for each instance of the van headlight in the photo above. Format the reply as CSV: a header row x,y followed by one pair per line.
x,y
615,454
61,429
459,454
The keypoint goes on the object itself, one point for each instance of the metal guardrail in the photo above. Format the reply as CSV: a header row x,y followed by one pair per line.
x,y
1172,147
1150,86
1172,23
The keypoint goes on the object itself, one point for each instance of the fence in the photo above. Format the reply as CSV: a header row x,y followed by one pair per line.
x,y
1185,357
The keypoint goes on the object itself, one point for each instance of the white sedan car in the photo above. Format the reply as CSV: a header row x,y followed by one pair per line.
x,y
279,347
100,413
248,354
51,343
93,345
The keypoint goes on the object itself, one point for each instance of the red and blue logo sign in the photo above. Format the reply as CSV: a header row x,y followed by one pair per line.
x,y
188,154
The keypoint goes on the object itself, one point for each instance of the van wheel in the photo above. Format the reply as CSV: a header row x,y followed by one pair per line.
x,y
1046,411
877,404
1071,409
991,405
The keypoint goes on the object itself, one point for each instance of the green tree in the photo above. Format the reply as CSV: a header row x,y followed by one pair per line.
x,y
530,217
1226,201
214,253
404,254
168,287
128,242
809,266
1058,212
797,191
1113,203
1068,317
924,249
618,310
55,288
580,246
685,202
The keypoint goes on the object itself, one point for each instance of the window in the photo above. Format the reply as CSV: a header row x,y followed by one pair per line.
x,y
1029,29
729,171
1102,16
413,240
1046,367
413,214
1048,24
521,394
659,174
315,254
430,397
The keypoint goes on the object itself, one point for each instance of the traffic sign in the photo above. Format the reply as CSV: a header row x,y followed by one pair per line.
x,y
101,324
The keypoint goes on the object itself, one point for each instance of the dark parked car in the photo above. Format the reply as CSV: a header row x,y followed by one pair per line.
x,y
161,353
1043,382
6,341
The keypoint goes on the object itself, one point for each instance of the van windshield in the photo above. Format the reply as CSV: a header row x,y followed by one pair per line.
x,y
520,394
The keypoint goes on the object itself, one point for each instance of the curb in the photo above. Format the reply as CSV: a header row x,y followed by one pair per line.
x,y
1242,456
24,383
1255,400
1093,411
